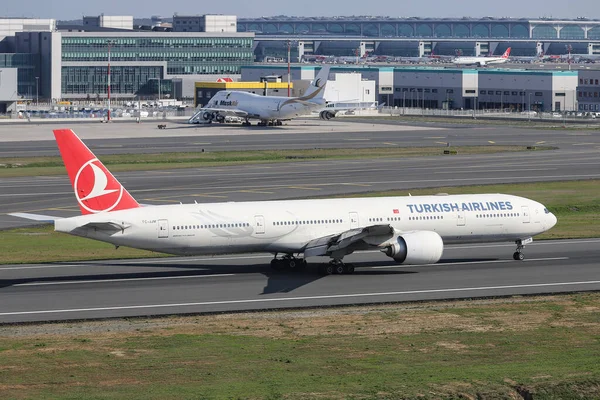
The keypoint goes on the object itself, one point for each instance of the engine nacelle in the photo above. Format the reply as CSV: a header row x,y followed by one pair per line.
x,y
416,248
326,115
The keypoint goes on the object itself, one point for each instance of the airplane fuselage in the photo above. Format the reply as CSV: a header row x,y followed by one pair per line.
x,y
263,107
287,226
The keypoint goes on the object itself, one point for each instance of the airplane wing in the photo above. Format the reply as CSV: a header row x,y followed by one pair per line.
x,y
347,241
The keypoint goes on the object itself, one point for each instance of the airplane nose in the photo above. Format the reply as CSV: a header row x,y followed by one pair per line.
x,y
552,220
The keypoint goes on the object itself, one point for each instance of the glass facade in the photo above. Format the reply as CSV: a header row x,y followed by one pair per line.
x,y
28,69
183,55
92,81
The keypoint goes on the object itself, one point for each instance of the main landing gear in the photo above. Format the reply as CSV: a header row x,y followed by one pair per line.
x,y
288,263
518,255
336,267
275,122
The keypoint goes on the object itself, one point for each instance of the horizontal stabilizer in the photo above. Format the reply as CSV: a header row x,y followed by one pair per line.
x,y
36,217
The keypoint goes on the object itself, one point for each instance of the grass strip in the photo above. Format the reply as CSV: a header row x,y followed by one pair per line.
x,y
537,347
575,204
39,166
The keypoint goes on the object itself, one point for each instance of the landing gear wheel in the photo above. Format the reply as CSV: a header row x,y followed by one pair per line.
x,y
340,269
518,255
349,269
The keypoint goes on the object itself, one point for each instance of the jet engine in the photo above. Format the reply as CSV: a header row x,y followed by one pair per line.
x,y
416,248
326,114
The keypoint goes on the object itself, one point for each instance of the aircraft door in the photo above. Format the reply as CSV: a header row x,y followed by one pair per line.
x,y
354,220
163,228
525,212
460,218
259,221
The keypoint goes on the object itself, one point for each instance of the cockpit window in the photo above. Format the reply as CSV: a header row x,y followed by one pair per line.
x,y
546,211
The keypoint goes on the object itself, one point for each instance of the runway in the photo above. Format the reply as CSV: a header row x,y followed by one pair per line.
x,y
120,138
119,288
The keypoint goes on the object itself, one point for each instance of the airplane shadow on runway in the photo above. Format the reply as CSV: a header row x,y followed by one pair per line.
x,y
277,281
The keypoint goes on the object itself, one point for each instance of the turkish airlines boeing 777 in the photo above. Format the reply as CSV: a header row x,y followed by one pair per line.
x,y
411,230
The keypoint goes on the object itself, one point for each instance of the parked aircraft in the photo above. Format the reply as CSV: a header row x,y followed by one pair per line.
x,y
269,110
482,61
411,230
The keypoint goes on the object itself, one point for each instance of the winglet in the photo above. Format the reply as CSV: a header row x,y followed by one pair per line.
x,y
96,189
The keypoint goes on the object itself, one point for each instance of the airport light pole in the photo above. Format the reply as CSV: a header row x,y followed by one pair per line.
x,y
109,43
289,48
529,107
37,81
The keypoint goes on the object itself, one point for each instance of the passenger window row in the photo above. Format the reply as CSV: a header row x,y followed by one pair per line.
x,y
425,217
211,226
498,215
312,222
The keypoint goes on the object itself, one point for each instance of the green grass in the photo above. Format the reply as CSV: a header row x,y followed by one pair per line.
x,y
575,203
37,166
548,347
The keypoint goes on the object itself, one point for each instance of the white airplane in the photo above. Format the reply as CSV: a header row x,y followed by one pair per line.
x,y
482,61
411,230
270,110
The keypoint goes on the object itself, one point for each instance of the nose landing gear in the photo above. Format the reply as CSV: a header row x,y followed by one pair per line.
x,y
518,255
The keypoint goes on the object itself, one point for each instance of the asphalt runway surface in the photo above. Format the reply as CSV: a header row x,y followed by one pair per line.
x,y
243,282
121,288
123,138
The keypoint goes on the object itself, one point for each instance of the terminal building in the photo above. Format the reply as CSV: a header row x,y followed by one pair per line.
x,y
455,88
418,37
59,62
72,63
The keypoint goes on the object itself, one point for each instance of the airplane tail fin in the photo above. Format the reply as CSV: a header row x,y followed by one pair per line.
x,y
316,91
506,53
96,189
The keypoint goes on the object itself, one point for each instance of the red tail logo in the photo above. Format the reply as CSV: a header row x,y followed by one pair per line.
x,y
96,189
506,53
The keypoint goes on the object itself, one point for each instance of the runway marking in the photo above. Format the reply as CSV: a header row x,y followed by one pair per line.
x,y
120,280
208,195
390,143
584,144
471,262
434,137
540,142
302,188
358,140
442,142
301,298
254,191
481,170
491,142
356,184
